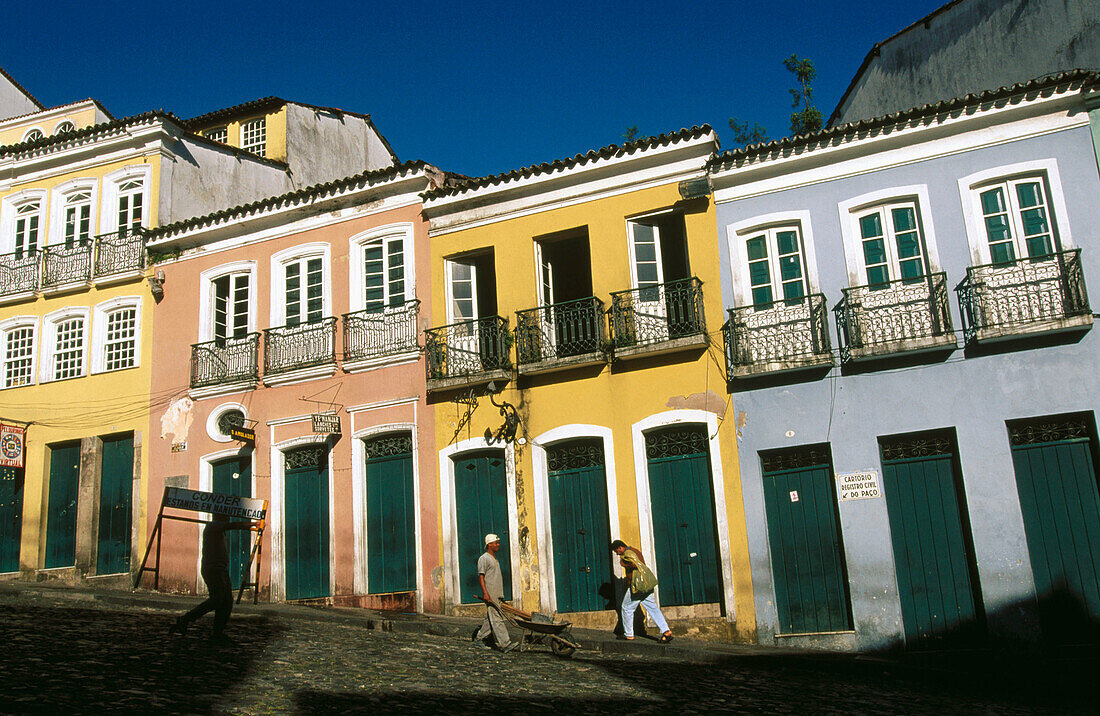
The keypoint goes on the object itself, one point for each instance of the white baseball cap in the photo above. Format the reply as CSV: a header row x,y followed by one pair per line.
x,y
490,538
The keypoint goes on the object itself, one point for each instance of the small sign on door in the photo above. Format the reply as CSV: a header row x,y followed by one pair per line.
x,y
858,485
794,495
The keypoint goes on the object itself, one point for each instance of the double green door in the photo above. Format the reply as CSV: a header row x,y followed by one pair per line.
x,y
11,517
115,490
811,591
307,523
61,505
684,531
233,476
932,555
391,526
481,507
579,526
1055,466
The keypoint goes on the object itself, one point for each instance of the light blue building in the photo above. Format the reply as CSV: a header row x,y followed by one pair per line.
x,y
913,370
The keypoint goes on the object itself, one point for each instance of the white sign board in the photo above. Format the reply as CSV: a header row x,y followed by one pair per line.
x,y
198,501
858,485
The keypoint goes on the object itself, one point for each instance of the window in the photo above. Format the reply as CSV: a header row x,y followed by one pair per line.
x,y
305,279
77,215
120,348
384,273
1016,218
131,194
19,355
33,135
471,285
775,265
659,250
27,218
67,356
218,134
254,136
64,127
230,306
891,243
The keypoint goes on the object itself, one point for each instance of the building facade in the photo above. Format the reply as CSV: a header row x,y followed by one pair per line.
x,y
577,386
912,364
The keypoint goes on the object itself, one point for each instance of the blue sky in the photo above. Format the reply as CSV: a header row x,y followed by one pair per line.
x,y
477,88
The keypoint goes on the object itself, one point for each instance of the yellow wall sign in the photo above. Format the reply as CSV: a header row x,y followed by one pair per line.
x,y
11,445
243,434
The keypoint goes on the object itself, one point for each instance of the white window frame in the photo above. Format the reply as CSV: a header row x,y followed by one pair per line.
x,y
218,134
448,266
50,323
28,136
971,186
16,323
59,203
402,232
9,209
851,209
206,295
112,184
740,232
259,148
99,332
64,125
279,261
216,415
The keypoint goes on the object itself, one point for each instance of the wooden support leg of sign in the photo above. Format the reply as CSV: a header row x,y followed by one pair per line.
x,y
247,580
154,536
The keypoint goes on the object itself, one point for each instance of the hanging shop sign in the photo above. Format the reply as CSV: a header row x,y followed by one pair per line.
x,y
243,434
858,485
11,445
215,503
326,423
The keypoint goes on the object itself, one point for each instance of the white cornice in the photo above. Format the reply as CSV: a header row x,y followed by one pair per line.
x,y
911,141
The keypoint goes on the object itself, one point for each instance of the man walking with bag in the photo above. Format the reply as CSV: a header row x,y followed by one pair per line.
x,y
640,582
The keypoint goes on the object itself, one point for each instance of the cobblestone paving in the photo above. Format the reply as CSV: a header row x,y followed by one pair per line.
x,y
79,660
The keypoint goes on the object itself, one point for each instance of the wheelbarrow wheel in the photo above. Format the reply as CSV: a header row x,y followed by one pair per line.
x,y
561,649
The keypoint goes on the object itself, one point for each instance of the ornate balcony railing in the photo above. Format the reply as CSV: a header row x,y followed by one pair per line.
x,y
467,348
377,333
560,330
894,317
120,252
1013,297
229,360
777,335
19,273
655,314
302,346
66,264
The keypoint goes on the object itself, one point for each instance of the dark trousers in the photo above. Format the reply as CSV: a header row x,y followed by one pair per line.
x,y
220,600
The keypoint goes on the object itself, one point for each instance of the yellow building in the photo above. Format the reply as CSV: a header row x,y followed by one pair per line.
x,y
583,296
77,297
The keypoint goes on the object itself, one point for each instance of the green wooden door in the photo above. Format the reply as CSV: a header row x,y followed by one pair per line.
x,y
307,523
481,507
811,591
61,509
233,476
1055,467
115,488
932,556
391,526
579,525
11,517
684,531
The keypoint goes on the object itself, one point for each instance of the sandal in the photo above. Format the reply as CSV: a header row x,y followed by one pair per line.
x,y
665,638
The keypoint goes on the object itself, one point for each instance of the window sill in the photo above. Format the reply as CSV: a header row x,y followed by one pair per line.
x,y
566,363
908,346
777,367
71,287
385,361
1034,328
300,375
672,345
436,385
18,297
213,391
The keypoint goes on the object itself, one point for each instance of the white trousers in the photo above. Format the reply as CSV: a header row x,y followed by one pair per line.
x,y
494,624
630,605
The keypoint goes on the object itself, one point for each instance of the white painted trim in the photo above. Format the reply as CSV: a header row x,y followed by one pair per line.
x,y
645,515
206,295
109,200
450,521
970,185
49,340
99,331
277,519
849,226
548,597
10,204
356,244
11,324
369,364
216,414
736,235
412,399
301,375
30,130
315,249
58,205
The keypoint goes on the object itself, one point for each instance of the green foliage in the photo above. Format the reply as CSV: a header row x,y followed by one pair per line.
x,y
808,118
631,133
743,135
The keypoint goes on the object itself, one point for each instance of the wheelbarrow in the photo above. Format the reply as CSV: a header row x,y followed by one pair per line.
x,y
540,630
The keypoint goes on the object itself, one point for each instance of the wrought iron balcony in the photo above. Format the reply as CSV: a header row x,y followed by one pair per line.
x,y
1024,296
302,346
120,252
229,360
19,273
658,319
63,265
382,332
775,337
560,335
462,351
905,316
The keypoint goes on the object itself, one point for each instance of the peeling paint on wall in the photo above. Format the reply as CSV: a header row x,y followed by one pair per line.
x,y
177,420
437,577
709,401
741,421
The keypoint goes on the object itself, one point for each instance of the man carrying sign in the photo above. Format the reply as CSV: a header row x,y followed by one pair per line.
x,y
215,572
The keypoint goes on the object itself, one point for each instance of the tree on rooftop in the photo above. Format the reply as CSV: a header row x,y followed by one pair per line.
x,y
807,118
631,133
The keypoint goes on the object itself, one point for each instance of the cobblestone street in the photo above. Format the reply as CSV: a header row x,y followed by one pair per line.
x,y
77,659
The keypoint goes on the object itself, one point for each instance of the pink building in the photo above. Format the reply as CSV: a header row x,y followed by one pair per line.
x,y
305,304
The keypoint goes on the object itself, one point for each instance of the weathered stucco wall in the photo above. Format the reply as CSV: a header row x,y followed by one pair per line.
x,y
324,145
12,101
972,46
